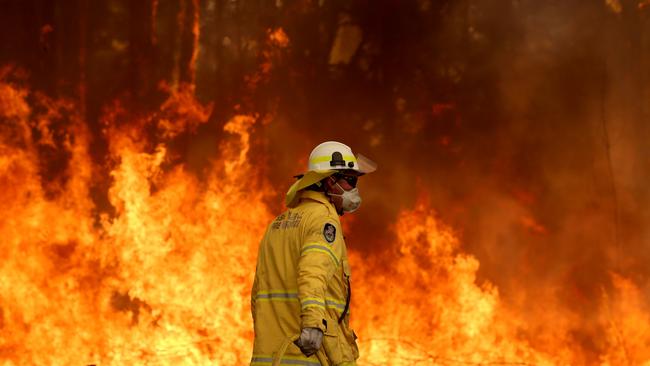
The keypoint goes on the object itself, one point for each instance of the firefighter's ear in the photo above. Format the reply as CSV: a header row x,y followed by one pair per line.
x,y
331,181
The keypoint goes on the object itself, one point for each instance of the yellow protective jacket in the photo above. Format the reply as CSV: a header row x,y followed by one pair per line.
x,y
302,280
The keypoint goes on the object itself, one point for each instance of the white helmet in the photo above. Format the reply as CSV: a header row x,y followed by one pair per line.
x,y
332,155
325,160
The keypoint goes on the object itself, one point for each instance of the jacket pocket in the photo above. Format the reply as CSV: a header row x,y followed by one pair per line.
x,y
355,348
332,343
350,340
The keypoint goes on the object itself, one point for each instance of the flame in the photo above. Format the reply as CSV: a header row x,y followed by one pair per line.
x,y
278,37
276,41
422,305
628,325
432,310
146,284
163,275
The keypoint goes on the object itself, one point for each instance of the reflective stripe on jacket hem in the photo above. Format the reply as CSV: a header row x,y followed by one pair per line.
x,y
287,296
287,360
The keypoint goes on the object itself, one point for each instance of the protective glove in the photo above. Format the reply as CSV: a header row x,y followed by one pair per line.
x,y
310,341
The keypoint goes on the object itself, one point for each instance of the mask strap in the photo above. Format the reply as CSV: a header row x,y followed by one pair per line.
x,y
341,194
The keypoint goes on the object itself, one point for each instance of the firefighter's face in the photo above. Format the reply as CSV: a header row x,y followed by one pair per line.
x,y
338,183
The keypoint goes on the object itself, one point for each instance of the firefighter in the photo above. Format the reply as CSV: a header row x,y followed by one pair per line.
x,y
301,294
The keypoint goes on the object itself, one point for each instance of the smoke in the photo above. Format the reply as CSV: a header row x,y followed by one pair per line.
x,y
523,122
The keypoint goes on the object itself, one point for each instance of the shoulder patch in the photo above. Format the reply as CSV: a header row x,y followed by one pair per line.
x,y
329,232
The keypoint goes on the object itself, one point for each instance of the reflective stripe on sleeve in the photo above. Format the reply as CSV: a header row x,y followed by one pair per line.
x,y
320,248
312,302
332,303
279,295
329,303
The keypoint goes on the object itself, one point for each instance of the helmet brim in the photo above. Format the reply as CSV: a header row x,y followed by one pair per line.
x,y
303,182
365,165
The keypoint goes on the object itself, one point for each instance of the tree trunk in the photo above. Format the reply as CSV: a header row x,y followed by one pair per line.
x,y
142,76
187,44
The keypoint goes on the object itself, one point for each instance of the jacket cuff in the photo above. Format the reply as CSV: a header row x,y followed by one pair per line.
x,y
314,322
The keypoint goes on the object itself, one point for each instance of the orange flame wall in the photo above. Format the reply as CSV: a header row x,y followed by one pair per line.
x,y
506,223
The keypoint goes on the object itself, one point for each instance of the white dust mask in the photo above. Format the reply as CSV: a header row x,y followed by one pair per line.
x,y
351,200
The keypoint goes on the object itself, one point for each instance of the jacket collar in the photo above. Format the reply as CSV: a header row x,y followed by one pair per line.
x,y
318,197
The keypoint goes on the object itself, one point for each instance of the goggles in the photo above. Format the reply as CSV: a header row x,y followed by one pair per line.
x,y
351,179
